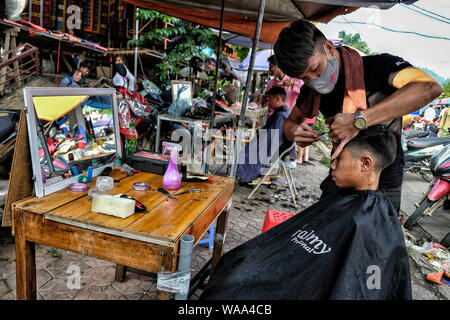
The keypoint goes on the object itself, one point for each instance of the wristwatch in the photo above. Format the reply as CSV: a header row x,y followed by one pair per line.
x,y
360,121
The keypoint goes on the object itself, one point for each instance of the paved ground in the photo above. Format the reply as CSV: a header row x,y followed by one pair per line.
x,y
245,222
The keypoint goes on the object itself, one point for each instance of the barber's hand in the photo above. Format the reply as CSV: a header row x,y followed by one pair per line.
x,y
342,130
302,133
288,83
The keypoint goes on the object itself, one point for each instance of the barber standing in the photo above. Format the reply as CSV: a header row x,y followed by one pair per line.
x,y
352,92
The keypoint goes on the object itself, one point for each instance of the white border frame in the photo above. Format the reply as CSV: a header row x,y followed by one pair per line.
x,y
28,94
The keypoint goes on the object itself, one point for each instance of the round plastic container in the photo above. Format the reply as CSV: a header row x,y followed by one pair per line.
x,y
104,183
78,187
140,186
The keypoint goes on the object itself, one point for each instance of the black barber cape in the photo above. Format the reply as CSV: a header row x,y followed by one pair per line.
x,y
349,245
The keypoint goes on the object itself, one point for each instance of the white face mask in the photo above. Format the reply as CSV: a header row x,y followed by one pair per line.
x,y
327,80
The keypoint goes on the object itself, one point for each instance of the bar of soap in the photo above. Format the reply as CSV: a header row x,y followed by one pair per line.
x,y
114,206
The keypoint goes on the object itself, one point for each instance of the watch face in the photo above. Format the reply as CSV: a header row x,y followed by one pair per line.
x,y
360,123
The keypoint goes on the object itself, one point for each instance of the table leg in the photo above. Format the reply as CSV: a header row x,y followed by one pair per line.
x,y
120,272
25,263
219,239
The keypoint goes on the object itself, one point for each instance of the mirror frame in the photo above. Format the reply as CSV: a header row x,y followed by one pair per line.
x,y
175,82
28,94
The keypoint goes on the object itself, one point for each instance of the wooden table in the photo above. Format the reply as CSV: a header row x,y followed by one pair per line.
x,y
145,241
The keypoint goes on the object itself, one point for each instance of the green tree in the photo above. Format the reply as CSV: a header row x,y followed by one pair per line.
x,y
445,91
355,41
188,41
241,52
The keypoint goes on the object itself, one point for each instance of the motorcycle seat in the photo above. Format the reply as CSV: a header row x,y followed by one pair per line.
x,y
415,133
420,143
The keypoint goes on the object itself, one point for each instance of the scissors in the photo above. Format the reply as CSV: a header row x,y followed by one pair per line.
x,y
188,191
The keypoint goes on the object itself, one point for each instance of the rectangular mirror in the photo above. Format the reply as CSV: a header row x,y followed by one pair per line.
x,y
183,89
70,129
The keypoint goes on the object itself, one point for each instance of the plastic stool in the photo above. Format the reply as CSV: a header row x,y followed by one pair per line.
x,y
275,217
210,239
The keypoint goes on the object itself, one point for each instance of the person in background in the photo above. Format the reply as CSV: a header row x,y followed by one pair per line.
x,y
123,77
84,68
292,87
430,114
250,165
72,80
303,153
444,124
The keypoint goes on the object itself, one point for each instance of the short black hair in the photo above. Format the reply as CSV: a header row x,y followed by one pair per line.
x,y
378,141
120,56
271,59
277,91
85,64
74,71
295,45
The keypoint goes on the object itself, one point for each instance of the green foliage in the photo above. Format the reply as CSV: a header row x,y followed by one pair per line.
x,y
152,14
326,161
355,41
178,54
320,124
445,91
241,52
55,253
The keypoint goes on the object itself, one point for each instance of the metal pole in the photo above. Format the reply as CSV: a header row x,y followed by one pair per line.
x,y
136,35
185,260
237,142
213,106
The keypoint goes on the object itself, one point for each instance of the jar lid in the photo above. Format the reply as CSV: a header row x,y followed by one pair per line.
x,y
140,186
78,187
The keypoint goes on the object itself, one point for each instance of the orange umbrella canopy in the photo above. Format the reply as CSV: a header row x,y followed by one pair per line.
x,y
240,16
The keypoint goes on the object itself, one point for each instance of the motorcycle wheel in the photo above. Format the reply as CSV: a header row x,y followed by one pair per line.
x,y
417,214
446,241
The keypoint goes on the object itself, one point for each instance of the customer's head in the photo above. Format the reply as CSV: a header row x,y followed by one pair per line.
x,y
76,75
273,69
360,163
302,51
85,68
276,96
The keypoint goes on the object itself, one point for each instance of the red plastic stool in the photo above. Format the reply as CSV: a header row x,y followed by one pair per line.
x,y
275,217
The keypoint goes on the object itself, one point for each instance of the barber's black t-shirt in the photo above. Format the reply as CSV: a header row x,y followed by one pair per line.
x,y
377,71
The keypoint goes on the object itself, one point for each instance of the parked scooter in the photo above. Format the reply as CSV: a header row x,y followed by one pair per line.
x,y
418,152
437,191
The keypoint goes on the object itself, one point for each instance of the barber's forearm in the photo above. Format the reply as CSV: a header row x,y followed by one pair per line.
x,y
405,100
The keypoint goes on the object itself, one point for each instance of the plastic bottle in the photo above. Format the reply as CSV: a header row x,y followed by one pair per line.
x,y
131,137
172,177
117,164
94,163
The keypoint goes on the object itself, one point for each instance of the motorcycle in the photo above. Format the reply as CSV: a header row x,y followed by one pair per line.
x,y
8,132
418,152
437,191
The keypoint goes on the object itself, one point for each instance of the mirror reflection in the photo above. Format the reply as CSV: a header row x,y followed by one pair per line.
x,y
182,90
74,132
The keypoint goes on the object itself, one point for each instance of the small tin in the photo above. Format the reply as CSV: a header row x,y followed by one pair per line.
x,y
140,186
78,187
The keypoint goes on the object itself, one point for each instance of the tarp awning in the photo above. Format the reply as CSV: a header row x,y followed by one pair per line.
x,y
54,107
240,16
